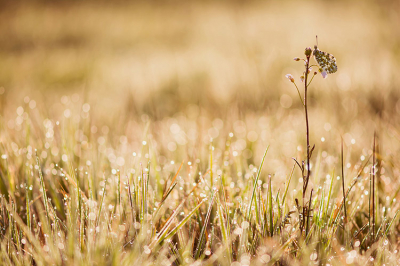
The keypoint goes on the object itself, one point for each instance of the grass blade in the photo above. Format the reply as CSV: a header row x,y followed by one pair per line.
x,y
203,229
179,226
391,222
255,184
270,210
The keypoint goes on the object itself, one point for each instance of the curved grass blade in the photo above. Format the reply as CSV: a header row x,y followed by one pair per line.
x,y
391,222
224,232
271,219
203,230
255,184
179,226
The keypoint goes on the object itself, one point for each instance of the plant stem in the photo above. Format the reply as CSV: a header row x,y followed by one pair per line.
x,y
298,91
308,140
344,194
373,190
308,214
344,197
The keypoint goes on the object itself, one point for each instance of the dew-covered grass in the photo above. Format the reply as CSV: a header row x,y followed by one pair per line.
x,y
186,189
119,160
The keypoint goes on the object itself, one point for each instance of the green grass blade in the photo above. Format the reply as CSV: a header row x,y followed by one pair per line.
x,y
179,226
288,183
203,229
270,210
101,202
255,184
391,222
329,197
224,231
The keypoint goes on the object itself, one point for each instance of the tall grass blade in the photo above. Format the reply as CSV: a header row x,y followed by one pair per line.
x,y
164,234
270,209
255,184
391,222
204,228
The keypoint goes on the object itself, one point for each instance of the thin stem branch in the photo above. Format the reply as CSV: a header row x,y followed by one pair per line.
x,y
307,127
298,91
308,213
344,197
373,189
311,80
344,193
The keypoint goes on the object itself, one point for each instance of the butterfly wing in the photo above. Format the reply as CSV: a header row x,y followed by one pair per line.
x,y
325,61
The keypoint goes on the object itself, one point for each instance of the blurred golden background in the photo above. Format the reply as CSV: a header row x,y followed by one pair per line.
x,y
178,52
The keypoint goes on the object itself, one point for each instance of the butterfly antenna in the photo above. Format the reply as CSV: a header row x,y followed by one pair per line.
x,y
316,38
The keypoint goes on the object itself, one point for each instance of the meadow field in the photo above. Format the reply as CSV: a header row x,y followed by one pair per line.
x,y
168,133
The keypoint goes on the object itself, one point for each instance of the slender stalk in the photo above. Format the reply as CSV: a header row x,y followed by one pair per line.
x,y
143,203
369,202
45,200
204,228
271,219
255,185
211,165
307,127
307,177
373,188
344,193
298,91
344,197
308,214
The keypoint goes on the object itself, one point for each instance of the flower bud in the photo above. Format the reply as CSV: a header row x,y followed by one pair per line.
x,y
308,51
296,59
290,77
302,78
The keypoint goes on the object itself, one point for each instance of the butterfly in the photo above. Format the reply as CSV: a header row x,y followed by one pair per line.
x,y
326,61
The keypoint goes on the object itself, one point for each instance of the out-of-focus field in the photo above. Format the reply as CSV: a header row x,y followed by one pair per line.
x,y
100,87
193,52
